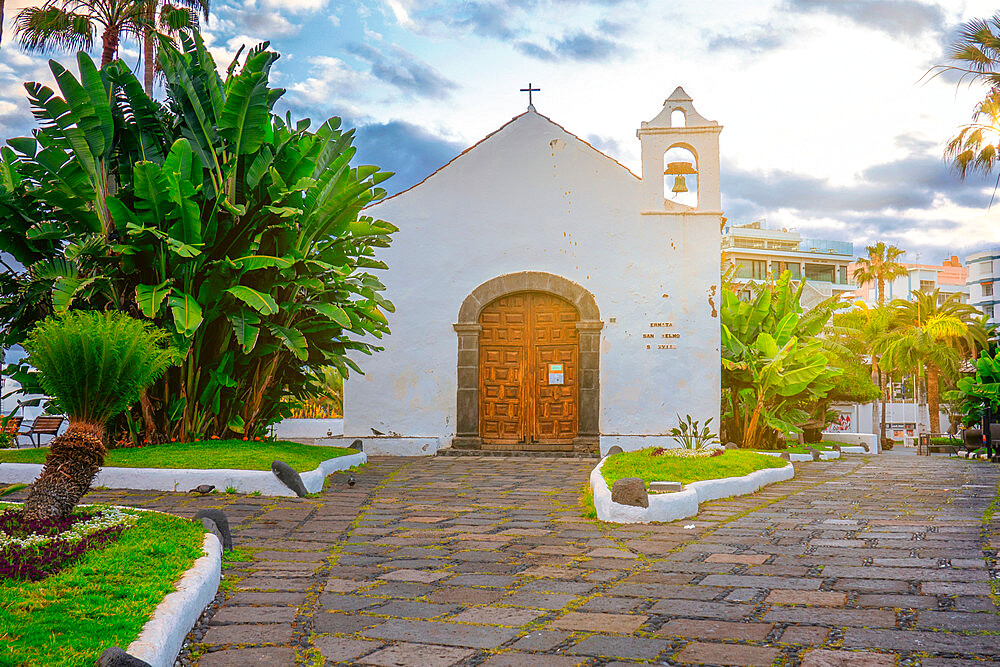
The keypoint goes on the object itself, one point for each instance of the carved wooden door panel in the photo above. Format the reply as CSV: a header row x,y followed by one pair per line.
x,y
555,342
522,335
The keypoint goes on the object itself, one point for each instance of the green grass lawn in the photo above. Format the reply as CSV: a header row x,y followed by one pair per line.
x,y
211,454
101,600
732,463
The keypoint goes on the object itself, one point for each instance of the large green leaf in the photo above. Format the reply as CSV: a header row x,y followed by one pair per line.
x,y
246,327
254,262
785,328
262,303
150,187
65,290
333,312
245,115
101,135
149,297
186,311
795,380
292,339
182,173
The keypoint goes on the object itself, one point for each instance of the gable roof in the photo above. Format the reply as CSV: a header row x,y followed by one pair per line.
x,y
496,131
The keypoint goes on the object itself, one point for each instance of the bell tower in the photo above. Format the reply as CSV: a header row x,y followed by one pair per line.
x,y
679,125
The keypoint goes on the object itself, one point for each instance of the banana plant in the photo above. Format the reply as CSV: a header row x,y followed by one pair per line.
x,y
980,392
773,363
239,231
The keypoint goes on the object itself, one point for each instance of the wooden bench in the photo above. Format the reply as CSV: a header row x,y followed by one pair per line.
x,y
44,425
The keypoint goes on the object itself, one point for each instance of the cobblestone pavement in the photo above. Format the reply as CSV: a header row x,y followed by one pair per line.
x,y
466,561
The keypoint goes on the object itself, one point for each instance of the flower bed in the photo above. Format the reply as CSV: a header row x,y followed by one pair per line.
x,y
34,550
101,599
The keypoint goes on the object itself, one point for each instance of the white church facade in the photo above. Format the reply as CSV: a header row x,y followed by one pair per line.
x,y
547,298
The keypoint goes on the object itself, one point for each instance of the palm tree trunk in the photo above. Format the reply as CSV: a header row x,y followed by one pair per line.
x,y
1,20
147,49
110,42
881,291
933,400
74,459
881,386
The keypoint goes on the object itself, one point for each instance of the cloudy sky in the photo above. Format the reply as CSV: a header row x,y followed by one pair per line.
x,y
829,127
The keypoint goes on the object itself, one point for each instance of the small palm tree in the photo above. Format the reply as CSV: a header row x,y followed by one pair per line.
x,y
879,266
71,25
935,335
871,325
93,365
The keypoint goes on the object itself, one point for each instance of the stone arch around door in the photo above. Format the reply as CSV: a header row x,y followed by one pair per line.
x,y
468,328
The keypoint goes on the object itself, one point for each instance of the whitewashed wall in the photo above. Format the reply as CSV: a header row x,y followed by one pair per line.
x,y
533,197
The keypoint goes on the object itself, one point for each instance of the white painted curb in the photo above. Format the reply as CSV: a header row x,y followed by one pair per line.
x,y
163,635
684,503
792,456
185,479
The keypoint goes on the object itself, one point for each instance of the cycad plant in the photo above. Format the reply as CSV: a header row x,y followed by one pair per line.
x,y
94,365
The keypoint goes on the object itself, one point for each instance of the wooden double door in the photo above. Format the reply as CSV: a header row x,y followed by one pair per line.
x,y
529,370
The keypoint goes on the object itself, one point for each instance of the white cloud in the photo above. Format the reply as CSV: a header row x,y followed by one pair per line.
x,y
400,12
294,6
330,81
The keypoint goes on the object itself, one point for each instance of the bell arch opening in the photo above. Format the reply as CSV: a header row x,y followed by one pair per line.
x,y
680,176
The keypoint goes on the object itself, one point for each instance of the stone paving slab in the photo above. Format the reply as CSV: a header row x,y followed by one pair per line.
x,y
874,560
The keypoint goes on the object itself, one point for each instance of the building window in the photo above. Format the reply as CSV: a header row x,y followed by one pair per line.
x,y
796,270
819,272
988,310
985,268
926,285
843,275
987,289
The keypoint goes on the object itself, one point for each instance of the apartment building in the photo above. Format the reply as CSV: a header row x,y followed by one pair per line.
x,y
949,278
983,272
760,253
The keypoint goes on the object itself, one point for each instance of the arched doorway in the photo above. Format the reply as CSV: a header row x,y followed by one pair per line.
x,y
528,370
506,397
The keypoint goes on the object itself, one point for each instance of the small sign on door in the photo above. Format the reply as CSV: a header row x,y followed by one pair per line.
x,y
556,375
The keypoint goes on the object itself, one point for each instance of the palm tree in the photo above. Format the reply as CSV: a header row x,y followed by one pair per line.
x,y
976,57
183,14
879,266
932,334
871,325
71,25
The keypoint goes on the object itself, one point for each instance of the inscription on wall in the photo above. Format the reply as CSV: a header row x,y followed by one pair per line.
x,y
662,346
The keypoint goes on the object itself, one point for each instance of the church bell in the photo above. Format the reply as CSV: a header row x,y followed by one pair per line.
x,y
678,170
